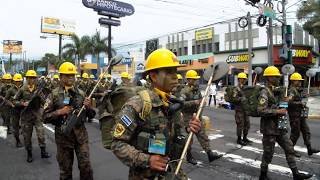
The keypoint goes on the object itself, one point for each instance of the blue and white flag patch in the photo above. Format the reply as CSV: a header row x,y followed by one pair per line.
x,y
126,120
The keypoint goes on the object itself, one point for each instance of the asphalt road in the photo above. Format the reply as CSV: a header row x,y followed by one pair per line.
x,y
237,162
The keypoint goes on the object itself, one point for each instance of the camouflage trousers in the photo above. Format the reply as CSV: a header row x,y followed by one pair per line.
x,y
268,142
5,114
299,124
201,135
27,129
65,157
15,119
243,123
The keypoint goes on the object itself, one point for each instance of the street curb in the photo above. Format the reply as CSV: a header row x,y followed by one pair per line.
x,y
314,117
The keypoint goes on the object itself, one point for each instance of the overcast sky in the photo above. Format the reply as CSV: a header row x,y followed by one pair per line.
x,y
20,19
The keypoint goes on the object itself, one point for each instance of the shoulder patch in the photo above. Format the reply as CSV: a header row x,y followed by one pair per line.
x,y
119,130
262,101
126,120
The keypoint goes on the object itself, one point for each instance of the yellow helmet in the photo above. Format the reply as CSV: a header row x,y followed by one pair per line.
x,y
192,74
161,58
56,76
85,75
17,77
296,77
7,77
78,76
179,76
67,68
91,76
271,71
130,76
242,76
31,73
124,75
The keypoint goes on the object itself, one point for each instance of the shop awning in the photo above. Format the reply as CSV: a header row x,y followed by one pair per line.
x,y
195,56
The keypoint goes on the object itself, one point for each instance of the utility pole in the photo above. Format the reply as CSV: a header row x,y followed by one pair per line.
x,y
249,49
109,46
270,45
60,45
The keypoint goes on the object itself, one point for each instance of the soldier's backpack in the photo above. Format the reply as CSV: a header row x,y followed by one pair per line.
x,y
117,99
249,101
228,95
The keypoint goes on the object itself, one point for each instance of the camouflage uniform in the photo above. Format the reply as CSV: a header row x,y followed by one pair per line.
x,y
241,117
267,107
132,135
15,112
76,142
85,86
190,94
30,119
5,109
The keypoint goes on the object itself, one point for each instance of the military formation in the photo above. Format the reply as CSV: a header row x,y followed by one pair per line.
x,y
145,125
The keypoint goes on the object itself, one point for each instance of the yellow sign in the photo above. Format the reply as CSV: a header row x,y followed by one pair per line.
x,y
300,53
57,26
204,34
238,58
12,46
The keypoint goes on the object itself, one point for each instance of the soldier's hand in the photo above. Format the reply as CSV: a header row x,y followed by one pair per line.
x,y
25,104
87,102
282,111
64,111
194,124
286,99
197,102
158,163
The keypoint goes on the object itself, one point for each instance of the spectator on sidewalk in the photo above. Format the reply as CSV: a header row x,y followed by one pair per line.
x,y
213,94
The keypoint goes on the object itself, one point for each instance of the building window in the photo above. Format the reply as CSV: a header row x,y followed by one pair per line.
x,y
216,47
193,50
198,49
204,48
185,51
210,47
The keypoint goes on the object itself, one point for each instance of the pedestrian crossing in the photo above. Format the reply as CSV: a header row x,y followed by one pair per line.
x,y
243,155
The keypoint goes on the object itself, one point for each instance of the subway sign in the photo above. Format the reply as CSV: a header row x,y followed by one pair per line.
x,y
238,58
300,53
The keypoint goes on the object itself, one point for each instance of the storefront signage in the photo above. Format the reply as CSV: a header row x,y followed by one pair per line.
x,y
238,58
300,53
204,34
120,8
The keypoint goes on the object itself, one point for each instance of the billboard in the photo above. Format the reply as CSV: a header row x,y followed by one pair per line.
x,y
204,34
12,46
57,26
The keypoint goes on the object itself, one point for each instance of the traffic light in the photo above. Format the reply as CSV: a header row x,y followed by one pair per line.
x,y
151,45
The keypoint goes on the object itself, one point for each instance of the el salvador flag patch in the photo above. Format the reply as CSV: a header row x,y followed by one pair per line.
x,y
126,120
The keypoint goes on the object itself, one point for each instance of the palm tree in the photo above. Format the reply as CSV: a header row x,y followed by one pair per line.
x,y
98,45
78,48
309,12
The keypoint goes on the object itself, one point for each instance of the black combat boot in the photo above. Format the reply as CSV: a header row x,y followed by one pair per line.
x,y
311,150
297,154
44,153
213,156
246,140
190,158
29,156
299,176
263,175
239,141
18,142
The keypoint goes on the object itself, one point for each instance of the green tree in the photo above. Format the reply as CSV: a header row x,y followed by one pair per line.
x,y
77,49
309,13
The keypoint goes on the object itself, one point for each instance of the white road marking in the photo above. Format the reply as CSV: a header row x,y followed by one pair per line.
x,y
49,128
3,132
255,163
95,121
215,136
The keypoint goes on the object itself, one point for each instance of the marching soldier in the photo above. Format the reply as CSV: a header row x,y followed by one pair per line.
x,y
55,82
241,117
192,96
16,110
58,107
148,133
298,114
84,84
5,108
31,118
125,79
270,127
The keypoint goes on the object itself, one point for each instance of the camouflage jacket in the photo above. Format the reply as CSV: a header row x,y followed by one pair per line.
x,y
56,101
267,107
237,95
295,102
4,88
132,135
190,95
85,86
11,93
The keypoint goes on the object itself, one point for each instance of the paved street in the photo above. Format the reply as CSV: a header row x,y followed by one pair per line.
x,y
237,163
